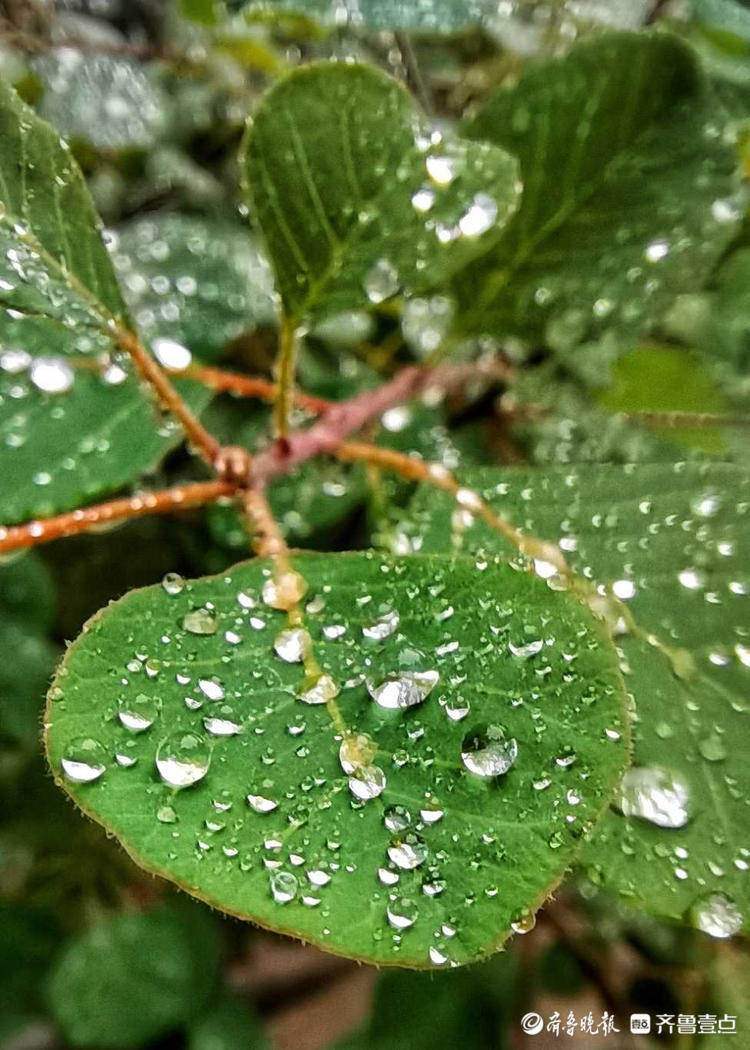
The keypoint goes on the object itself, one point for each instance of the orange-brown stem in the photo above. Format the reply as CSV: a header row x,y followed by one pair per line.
x,y
206,444
248,386
17,537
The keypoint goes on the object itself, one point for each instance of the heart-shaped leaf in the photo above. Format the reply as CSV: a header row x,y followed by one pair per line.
x,y
669,542
358,198
415,789
630,193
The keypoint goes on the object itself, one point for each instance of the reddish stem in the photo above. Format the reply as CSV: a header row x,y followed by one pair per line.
x,y
17,537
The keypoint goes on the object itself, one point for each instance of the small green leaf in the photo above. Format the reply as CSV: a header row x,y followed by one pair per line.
x,y
130,979
409,847
671,542
629,193
358,199
26,609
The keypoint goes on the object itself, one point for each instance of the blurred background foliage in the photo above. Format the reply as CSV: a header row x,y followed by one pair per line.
x,y
153,96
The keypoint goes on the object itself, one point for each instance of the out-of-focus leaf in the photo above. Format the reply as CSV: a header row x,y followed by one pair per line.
x,y
227,1025
26,608
130,979
358,845
110,102
196,281
629,194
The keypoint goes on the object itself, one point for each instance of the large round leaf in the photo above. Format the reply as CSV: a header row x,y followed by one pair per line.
x,y
435,868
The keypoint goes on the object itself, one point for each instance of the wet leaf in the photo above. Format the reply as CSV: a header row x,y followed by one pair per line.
x,y
424,838
102,989
358,199
108,101
450,16
74,421
670,541
630,194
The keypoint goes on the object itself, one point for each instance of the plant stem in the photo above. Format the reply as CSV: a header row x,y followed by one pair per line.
x,y
17,537
269,541
248,386
286,364
413,469
205,443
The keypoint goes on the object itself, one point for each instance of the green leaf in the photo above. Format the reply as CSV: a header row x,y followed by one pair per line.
x,y
629,194
469,1009
26,608
130,979
456,856
197,281
443,16
228,1025
74,421
727,334
345,221
105,100
676,539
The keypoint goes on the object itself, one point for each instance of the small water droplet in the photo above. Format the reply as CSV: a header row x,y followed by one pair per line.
x,y
487,752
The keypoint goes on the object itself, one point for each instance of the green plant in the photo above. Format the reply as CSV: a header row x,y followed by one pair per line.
x,y
398,754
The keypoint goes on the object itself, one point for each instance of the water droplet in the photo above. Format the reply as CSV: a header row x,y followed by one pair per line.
x,y
402,913
138,713
221,726
479,217
283,886
718,916
357,750
261,804
292,644
367,782
84,760
523,652
385,625
397,818
382,281
171,354
488,752
656,795
284,590
173,584
51,375
317,689
403,689
407,851
200,621
182,760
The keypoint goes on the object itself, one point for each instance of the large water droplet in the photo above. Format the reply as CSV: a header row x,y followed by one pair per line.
x,y
138,713
292,644
718,916
656,795
182,759
407,851
402,913
488,752
283,886
200,621
402,689
317,689
381,282
367,782
84,760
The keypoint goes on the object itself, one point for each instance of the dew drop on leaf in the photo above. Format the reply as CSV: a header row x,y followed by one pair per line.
x,y
655,794
718,916
182,759
487,752
84,760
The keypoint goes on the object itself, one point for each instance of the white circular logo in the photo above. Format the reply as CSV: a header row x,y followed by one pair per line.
x,y
532,1023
